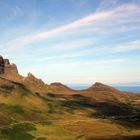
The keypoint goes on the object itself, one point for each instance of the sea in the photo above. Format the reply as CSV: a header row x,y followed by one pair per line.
x,y
135,89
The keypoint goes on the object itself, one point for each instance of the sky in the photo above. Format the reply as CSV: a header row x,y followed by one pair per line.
x,y
73,41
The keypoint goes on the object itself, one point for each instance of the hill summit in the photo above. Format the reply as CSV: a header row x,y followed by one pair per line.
x,y
101,87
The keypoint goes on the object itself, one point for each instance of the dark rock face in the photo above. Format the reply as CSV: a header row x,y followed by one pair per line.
x,y
1,65
6,66
6,62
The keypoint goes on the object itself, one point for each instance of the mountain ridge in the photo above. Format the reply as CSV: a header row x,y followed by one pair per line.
x,y
55,112
10,71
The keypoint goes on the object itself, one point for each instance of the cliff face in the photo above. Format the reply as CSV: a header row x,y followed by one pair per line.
x,y
9,70
1,65
6,66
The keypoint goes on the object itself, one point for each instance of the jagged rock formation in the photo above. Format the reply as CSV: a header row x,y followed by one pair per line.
x,y
6,66
9,70
34,83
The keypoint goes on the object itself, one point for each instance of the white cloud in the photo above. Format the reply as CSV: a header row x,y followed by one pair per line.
x,y
96,22
129,46
95,18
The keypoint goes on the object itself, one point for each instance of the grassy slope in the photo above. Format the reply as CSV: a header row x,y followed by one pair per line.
x,y
28,115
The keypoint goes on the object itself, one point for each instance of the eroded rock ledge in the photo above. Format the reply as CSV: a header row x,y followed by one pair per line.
x,y
6,66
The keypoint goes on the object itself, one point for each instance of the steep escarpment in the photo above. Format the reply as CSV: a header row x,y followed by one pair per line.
x,y
1,65
7,67
9,70
35,84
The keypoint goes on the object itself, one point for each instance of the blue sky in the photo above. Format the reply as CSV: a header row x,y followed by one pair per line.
x,y
73,41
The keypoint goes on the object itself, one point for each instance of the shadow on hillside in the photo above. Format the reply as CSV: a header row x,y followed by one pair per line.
x,y
9,86
117,138
123,114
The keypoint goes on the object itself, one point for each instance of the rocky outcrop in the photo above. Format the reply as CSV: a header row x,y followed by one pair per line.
x,y
6,66
35,84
